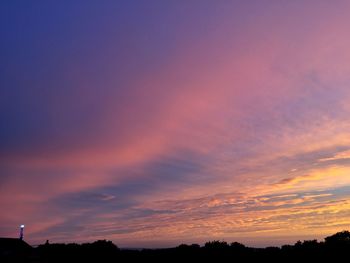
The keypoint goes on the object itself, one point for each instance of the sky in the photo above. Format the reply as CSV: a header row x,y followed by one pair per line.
x,y
156,123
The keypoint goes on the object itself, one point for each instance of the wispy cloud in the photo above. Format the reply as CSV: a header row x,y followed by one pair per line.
x,y
130,126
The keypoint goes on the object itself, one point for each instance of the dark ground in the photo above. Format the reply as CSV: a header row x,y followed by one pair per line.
x,y
335,248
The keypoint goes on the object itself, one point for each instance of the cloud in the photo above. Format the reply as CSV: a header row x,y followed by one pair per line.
x,y
218,125
345,155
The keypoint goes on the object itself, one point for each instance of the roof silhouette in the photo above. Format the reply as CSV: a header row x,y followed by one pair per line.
x,y
13,246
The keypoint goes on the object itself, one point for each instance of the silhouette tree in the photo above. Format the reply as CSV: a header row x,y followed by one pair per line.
x,y
335,248
216,244
340,238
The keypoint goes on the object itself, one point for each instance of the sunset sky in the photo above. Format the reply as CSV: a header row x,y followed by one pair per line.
x,y
156,123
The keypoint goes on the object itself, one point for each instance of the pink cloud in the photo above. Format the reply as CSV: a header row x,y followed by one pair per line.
x,y
278,92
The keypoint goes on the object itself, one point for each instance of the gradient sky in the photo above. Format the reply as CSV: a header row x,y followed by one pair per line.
x,y
155,123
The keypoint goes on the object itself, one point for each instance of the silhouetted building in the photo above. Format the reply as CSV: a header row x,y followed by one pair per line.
x,y
13,249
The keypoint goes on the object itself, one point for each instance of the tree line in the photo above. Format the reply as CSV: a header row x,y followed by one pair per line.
x,y
335,247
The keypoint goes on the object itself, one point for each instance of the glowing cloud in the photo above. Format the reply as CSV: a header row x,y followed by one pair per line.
x,y
161,123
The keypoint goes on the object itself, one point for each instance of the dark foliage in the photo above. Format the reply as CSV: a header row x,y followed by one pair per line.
x,y
335,248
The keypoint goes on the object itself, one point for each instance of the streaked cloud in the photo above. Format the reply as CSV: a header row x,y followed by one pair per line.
x,y
128,123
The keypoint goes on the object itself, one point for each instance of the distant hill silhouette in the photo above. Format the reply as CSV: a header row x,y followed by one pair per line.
x,y
335,248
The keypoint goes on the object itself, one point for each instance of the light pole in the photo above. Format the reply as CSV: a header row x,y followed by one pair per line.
x,y
21,232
